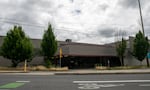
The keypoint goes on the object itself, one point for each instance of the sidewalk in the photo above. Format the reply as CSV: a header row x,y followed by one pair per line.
x,y
97,72
78,72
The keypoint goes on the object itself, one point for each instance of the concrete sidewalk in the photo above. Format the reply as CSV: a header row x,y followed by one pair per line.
x,y
78,72
96,72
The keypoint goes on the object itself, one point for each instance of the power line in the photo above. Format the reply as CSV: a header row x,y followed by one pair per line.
x,y
17,22
13,21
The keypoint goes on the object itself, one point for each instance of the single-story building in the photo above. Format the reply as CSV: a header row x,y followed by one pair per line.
x,y
82,55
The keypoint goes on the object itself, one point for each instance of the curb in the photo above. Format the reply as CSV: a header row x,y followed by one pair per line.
x,y
78,72
13,72
101,73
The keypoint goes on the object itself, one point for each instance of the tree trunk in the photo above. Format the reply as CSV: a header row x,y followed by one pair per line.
x,y
122,61
147,61
14,63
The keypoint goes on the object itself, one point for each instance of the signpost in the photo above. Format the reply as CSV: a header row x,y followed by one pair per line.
x,y
25,66
60,55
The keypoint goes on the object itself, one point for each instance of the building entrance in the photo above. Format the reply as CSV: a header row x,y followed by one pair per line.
x,y
90,62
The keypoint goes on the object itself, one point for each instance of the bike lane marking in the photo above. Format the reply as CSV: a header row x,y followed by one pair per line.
x,y
13,85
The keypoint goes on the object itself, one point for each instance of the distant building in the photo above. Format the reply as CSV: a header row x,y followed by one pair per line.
x,y
82,55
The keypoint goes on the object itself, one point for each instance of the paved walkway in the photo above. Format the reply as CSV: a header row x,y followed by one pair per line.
x,y
78,72
84,72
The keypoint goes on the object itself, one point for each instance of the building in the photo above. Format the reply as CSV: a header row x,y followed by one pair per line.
x,y
82,55
129,59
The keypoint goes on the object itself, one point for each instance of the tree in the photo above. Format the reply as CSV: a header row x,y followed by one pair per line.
x,y
140,46
48,45
121,48
16,46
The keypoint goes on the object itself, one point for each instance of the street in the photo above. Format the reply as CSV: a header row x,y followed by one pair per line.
x,y
75,82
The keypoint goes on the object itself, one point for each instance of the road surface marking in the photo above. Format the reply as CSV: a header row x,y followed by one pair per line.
x,y
144,85
88,86
115,81
23,81
11,85
105,84
97,86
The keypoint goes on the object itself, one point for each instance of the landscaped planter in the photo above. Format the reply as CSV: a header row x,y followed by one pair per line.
x,y
59,69
101,68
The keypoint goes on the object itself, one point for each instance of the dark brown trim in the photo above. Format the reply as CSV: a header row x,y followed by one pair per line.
x,y
77,55
85,44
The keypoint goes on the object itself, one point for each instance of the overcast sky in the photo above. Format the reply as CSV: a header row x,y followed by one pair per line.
x,y
86,21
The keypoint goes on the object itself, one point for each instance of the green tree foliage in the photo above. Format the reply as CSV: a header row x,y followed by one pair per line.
x,y
48,45
140,46
16,46
121,48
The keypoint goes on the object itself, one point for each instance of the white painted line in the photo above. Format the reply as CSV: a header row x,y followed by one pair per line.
x,y
144,85
115,81
23,81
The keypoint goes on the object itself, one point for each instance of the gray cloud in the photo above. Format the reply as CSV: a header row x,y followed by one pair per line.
x,y
77,11
132,3
30,9
79,15
128,3
72,1
106,32
27,14
104,7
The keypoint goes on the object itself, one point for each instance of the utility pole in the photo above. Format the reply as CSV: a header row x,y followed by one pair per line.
x,y
141,17
142,27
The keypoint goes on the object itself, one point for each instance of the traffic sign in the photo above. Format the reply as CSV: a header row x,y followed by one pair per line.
x,y
148,55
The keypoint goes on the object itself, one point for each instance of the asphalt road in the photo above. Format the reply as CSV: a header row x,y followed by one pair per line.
x,y
75,82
